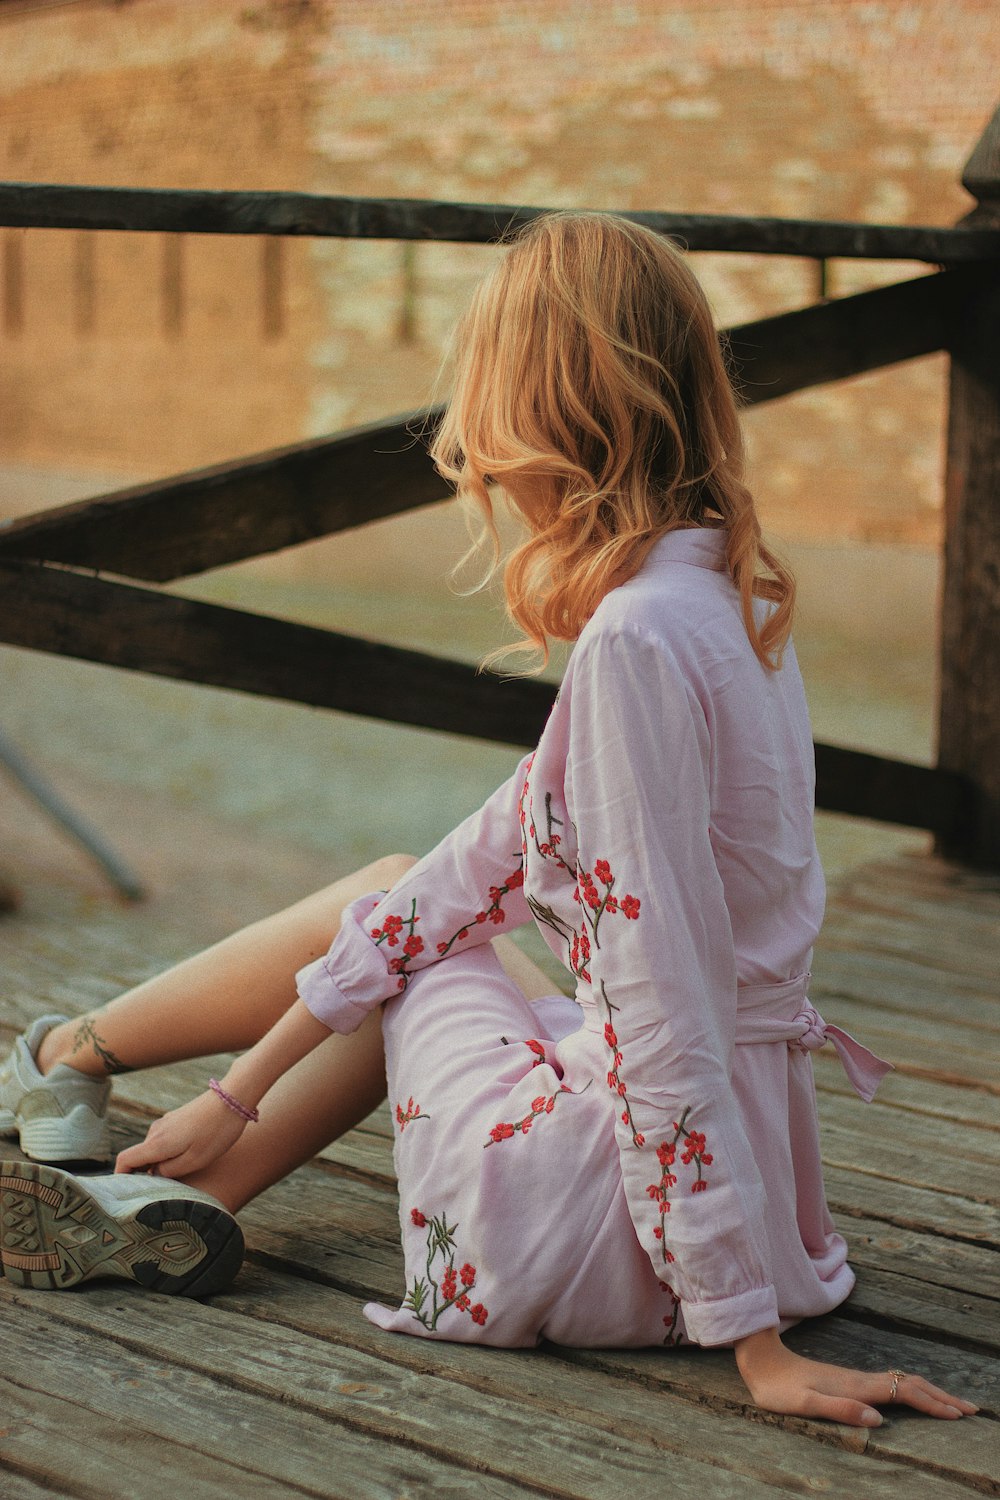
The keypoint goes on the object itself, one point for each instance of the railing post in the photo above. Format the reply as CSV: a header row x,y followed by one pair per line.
x,y
969,726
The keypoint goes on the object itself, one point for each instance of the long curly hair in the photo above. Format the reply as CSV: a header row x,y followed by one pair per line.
x,y
591,387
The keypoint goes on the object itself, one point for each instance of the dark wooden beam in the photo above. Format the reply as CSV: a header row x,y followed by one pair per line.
x,y
893,791
969,722
74,614
850,335
183,525
59,206
204,519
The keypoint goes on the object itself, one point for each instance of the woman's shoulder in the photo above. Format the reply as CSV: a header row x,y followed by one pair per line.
x,y
682,610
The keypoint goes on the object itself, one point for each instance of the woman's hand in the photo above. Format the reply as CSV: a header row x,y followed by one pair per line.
x,y
185,1140
779,1380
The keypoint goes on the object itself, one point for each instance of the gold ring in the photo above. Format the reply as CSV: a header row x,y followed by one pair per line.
x,y
897,1376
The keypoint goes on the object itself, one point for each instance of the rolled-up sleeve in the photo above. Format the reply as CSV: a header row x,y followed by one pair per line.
x,y
465,891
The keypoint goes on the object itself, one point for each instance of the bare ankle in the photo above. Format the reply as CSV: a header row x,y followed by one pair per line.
x,y
78,1044
54,1047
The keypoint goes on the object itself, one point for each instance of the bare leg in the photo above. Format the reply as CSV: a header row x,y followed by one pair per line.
x,y
324,1096
225,999
222,1000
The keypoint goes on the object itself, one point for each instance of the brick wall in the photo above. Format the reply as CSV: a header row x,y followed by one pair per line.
x,y
145,353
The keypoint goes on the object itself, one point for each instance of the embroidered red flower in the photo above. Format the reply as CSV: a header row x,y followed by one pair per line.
x,y
543,1105
666,1155
630,907
389,933
616,1083
405,1116
427,1298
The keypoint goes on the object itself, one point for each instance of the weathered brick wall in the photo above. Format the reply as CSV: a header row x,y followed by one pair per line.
x,y
144,354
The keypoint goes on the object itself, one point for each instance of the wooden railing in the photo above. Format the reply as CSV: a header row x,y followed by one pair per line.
x,y
55,598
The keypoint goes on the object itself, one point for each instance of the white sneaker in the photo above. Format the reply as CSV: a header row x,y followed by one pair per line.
x,y
57,1116
57,1230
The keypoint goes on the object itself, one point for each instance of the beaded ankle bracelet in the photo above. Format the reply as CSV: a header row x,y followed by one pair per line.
x,y
251,1115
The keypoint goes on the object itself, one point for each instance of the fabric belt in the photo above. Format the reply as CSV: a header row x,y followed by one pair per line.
x,y
805,1030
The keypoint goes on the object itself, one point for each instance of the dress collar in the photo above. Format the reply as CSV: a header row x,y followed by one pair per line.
x,y
699,546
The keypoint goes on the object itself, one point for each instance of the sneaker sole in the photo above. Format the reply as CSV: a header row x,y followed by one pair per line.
x,y
54,1234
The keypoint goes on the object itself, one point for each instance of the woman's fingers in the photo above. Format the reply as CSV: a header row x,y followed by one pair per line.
x,y
135,1158
915,1391
840,1409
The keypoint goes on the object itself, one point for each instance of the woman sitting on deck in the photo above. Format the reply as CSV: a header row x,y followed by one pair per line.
x,y
637,1165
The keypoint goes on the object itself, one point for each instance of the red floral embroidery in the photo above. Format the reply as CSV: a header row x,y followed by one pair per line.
x,y
429,1299
615,1081
543,1105
493,913
670,1319
595,903
666,1155
389,933
410,1113
538,1048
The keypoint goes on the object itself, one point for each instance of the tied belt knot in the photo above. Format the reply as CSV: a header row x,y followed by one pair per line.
x,y
805,1031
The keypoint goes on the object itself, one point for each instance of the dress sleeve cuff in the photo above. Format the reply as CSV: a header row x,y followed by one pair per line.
x,y
362,980
328,1004
731,1318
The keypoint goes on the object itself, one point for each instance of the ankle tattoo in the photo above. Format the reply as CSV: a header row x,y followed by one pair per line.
x,y
86,1036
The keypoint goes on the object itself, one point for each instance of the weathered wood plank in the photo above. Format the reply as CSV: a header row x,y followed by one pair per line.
x,y
58,206
855,1193
914,1096
868,974
309,1450
19,1486
945,1050
951,958
965,1452
901,894
969,708
928,877
969,720
898,1301
377,1406
555,1421
706,1376
70,1449
851,1142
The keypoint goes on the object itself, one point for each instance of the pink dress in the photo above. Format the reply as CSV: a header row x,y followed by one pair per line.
x,y
638,1165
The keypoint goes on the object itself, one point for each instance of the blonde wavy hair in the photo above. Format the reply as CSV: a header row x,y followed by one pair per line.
x,y
591,387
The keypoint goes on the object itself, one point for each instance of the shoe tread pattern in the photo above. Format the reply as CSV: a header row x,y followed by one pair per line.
x,y
54,1234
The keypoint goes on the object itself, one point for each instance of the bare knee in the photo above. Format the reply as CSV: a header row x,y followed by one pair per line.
x,y
385,872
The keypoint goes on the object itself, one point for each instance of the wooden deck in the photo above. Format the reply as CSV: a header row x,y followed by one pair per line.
x,y
281,1388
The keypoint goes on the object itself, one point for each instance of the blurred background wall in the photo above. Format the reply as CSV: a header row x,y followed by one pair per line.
x,y
128,356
